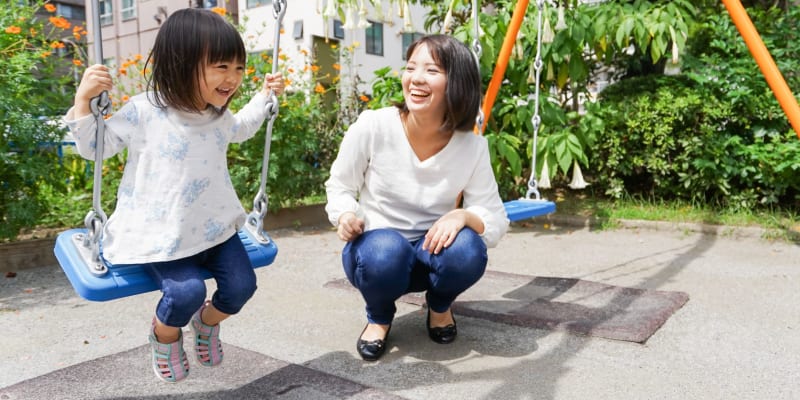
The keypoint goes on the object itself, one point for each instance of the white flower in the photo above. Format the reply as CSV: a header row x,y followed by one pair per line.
x,y
349,16
544,178
330,9
407,25
577,177
547,32
560,24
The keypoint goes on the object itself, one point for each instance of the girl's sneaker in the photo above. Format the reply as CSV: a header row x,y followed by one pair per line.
x,y
169,360
207,346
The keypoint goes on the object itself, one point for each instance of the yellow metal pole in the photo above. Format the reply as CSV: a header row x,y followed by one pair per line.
x,y
765,62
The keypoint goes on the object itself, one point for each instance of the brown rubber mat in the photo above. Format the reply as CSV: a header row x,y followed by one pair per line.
x,y
243,375
573,305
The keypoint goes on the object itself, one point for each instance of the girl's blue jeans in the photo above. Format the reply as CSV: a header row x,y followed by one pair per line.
x,y
383,265
183,286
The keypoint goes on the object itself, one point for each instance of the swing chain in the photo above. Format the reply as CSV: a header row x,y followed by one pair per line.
x,y
536,120
477,51
96,218
255,220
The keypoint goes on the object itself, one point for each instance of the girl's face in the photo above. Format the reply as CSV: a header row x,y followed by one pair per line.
x,y
219,82
424,83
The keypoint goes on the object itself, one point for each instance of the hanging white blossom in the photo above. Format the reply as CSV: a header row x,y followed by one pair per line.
x,y
349,15
547,31
561,24
407,25
577,177
544,178
362,16
330,9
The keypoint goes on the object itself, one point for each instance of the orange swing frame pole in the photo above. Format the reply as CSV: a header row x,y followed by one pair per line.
x,y
765,62
502,60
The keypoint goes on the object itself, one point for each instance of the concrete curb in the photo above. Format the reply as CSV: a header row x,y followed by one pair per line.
x,y
25,254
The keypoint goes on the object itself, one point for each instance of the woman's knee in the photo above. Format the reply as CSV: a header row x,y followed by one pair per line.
x,y
381,254
465,260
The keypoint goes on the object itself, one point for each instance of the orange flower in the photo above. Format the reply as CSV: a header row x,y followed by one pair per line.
x,y
123,71
46,54
363,98
250,70
314,68
256,79
13,30
60,22
304,51
125,98
282,31
77,62
290,70
219,10
319,88
50,8
57,45
337,67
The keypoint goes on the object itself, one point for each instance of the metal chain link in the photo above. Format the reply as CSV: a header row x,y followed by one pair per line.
x,y
100,106
477,50
255,219
536,120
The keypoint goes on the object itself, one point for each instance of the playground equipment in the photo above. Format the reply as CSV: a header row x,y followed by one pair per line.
x,y
78,250
525,207
765,62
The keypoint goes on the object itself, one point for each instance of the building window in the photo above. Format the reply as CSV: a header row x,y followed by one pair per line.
x,y
338,30
258,3
70,11
297,32
375,38
209,3
106,12
128,10
409,38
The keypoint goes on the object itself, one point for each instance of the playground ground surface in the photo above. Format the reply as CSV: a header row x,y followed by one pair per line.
x,y
732,331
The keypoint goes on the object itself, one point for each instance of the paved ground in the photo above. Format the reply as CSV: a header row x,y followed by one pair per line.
x,y
737,337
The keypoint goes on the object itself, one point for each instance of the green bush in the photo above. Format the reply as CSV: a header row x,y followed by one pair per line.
x,y
31,90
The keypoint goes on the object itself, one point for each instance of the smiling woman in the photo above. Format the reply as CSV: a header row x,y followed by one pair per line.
x,y
413,195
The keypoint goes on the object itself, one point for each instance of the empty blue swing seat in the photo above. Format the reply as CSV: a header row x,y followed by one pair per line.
x,y
128,280
528,208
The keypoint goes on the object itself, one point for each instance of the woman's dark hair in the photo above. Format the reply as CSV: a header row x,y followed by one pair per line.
x,y
189,39
463,91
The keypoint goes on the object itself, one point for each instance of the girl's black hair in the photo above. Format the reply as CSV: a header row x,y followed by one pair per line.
x,y
463,90
188,40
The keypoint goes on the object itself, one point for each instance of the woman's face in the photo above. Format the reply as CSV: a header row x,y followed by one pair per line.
x,y
219,82
424,83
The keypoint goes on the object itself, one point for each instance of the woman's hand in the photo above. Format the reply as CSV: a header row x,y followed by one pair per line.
x,y
275,83
350,227
444,231
95,80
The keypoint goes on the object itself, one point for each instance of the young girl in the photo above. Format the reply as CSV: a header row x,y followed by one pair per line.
x,y
177,212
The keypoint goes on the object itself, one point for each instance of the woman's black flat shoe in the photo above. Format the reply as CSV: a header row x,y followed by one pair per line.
x,y
442,335
371,350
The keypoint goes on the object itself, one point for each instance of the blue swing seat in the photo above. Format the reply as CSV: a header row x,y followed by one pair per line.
x,y
528,208
128,280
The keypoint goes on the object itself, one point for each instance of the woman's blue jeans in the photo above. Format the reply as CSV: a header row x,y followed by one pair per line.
x,y
383,265
183,286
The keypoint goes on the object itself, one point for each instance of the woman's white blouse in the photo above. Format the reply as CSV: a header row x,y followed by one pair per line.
x,y
378,176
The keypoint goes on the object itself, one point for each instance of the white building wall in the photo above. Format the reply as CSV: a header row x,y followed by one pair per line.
x,y
259,26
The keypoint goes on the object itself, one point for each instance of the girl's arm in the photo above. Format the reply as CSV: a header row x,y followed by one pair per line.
x,y
95,80
252,115
79,119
